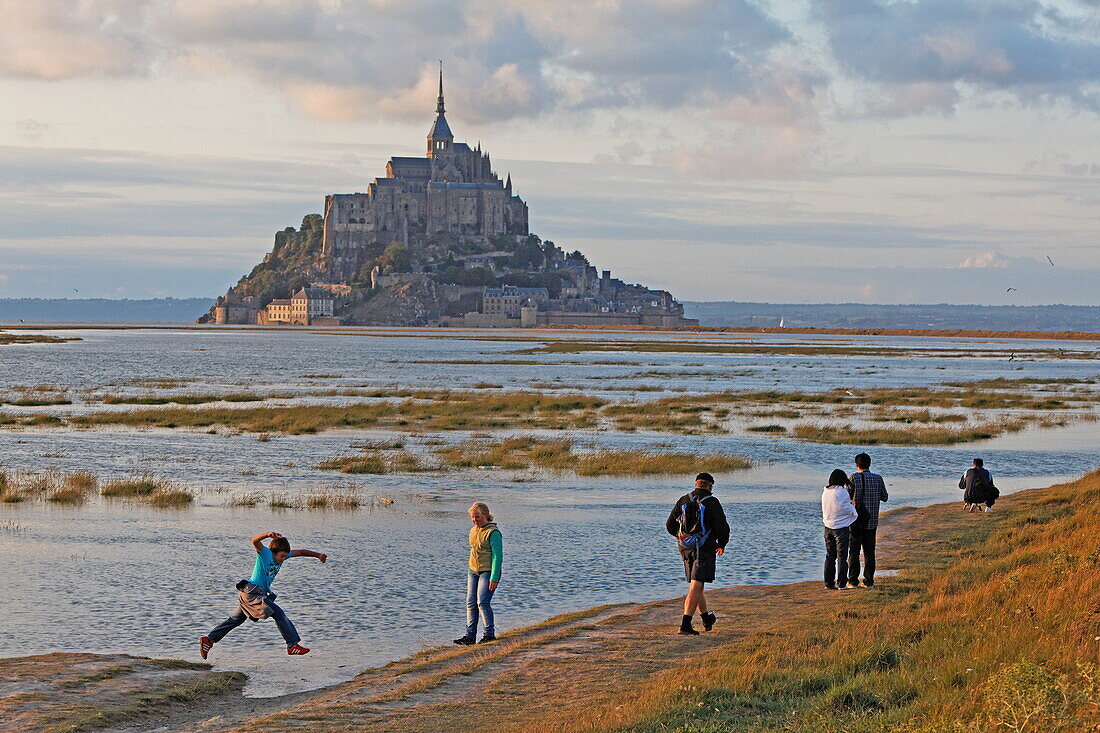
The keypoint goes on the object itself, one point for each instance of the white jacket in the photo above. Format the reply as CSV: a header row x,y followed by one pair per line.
x,y
837,510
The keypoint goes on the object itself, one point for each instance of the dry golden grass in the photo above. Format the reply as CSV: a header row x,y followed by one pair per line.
x,y
993,627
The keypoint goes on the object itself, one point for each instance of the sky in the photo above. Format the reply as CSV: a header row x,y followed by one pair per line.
x,y
876,151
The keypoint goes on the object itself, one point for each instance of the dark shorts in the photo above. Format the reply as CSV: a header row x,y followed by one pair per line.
x,y
699,565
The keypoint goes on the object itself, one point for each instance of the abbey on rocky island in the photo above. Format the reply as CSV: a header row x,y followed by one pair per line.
x,y
453,190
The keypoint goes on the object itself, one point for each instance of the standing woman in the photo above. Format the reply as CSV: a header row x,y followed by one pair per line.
x,y
486,558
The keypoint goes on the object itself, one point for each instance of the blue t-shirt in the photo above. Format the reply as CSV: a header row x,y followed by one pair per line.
x,y
266,569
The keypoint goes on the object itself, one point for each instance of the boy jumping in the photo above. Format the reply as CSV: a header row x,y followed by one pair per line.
x,y
256,601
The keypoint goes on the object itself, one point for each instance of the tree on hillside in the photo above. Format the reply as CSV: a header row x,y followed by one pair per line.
x,y
528,256
396,258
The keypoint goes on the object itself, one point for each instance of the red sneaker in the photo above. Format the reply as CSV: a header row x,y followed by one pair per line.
x,y
296,650
205,645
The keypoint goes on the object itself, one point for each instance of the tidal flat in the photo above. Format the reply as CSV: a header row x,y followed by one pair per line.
x,y
451,418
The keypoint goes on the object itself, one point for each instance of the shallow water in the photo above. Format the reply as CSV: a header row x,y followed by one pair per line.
x,y
114,577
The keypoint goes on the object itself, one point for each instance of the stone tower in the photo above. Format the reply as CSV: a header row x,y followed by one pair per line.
x,y
440,137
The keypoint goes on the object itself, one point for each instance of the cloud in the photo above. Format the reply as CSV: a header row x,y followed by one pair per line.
x,y
994,259
60,39
353,59
923,54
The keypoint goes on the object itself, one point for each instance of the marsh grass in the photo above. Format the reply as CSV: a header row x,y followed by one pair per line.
x,y
428,410
170,498
137,486
71,488
911,416
32,338
688,414
390,461
559,455
773,428
36,401
845,434
183,399
246,500
148,489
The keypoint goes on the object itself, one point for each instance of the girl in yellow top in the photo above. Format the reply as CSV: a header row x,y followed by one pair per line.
x,y
486,558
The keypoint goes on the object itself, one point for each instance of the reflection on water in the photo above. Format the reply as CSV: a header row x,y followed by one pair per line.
x,y
115,577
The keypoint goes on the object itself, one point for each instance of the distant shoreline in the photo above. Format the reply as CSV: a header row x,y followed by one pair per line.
x,y
807,330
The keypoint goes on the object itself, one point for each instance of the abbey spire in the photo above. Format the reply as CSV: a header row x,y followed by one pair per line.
x,y
440,137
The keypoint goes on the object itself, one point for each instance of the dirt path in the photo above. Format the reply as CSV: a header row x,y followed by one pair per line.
x,y
569,664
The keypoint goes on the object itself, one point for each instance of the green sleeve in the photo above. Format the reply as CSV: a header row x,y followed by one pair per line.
x,y
496,544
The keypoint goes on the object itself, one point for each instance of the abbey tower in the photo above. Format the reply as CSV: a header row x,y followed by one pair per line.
x,y
452,190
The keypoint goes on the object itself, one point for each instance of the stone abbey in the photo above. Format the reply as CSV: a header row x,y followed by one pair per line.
x,y
439,240
452,190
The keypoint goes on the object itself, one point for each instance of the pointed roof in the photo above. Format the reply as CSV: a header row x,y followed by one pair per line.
x,y
440,129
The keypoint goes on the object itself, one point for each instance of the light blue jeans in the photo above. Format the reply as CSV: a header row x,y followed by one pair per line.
x,y
478,597
286,628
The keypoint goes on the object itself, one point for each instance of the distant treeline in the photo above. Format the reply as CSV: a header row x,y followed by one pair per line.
x,y
858,315
33,310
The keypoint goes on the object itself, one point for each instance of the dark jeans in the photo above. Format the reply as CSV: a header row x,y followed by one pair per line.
x,y
836,549
862,539
290,634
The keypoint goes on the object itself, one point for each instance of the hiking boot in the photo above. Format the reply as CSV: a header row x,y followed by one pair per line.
x,y
688,631
966,507
487,639
465,641
708,620
205,645
297,650
830,586
988,509
865,584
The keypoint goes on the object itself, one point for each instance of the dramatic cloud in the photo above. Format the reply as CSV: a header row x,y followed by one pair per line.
x,y
923,53
349,59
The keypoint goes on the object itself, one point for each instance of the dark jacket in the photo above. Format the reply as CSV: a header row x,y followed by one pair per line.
x,y
977,486
714,519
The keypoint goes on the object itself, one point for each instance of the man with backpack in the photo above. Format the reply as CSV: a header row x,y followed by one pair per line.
x,y
977,483
701,530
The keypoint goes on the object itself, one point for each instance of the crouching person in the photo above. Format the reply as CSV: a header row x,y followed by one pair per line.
x,y
255,600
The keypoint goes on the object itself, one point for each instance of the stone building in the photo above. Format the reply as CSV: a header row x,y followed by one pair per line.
x,y
506,301
451,190
307,307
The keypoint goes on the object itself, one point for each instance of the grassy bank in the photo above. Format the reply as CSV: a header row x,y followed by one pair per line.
x,y
992,625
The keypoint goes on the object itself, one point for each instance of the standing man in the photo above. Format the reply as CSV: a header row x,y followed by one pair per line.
x,y
700,527
978,488
868,489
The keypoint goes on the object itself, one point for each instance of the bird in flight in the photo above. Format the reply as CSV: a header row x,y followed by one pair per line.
x,y
1012,356
1050,261
1012,290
